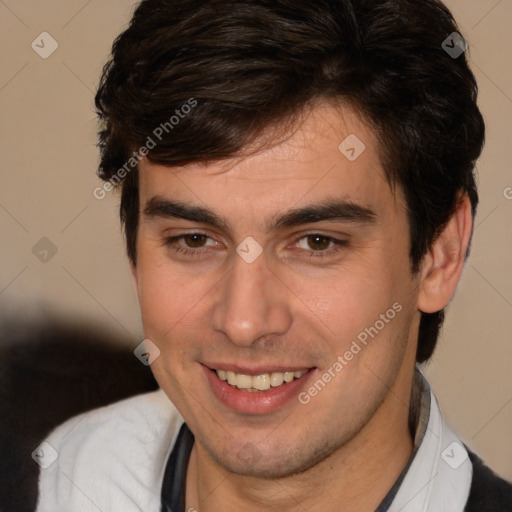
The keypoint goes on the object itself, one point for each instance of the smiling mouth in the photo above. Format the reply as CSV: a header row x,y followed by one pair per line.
x,y
262,382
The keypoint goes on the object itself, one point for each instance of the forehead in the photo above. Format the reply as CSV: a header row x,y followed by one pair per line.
x,y
331,153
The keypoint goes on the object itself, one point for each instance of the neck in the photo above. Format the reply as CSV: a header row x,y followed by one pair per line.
x,y
357,476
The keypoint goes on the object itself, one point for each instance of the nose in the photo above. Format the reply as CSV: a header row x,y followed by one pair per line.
x,y
252,303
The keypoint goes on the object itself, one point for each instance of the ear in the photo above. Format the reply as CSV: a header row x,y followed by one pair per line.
x,y
442,266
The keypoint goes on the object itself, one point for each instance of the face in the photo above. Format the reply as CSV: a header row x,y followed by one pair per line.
x,y
288,265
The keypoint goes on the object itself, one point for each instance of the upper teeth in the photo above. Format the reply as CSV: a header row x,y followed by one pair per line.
x,y
260,382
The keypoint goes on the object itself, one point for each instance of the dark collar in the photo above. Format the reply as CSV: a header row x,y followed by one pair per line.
x,y
175,476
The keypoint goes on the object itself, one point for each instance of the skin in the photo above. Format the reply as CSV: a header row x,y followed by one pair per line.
x,y
347,446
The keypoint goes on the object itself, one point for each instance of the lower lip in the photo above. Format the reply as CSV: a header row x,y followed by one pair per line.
x,y
257,402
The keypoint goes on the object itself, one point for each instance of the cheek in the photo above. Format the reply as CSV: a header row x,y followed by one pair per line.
x,y
162,294
172,299
367,318
352,298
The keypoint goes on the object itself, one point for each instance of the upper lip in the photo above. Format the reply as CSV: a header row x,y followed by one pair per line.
x,y
255,370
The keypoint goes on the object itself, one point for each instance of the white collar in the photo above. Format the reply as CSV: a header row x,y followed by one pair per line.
x,y
439,477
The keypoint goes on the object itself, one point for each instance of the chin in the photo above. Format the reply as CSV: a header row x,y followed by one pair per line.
x,y
272,463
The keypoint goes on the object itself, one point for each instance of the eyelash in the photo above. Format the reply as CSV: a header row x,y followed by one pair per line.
x,y
338,245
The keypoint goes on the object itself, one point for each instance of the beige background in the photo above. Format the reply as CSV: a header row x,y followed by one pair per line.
x,y
48,136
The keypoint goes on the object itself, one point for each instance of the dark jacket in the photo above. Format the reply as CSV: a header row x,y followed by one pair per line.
x,y
489,492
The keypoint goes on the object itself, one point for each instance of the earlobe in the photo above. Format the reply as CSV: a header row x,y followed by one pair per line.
x,y
442,266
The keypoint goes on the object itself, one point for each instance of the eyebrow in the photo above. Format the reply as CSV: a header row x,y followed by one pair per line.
x,y
327,210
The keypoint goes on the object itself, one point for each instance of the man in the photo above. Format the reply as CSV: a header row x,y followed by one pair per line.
x,y
298,201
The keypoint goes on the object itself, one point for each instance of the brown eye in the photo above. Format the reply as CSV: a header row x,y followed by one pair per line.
x,y
318,242
194,240
316,245
190,244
